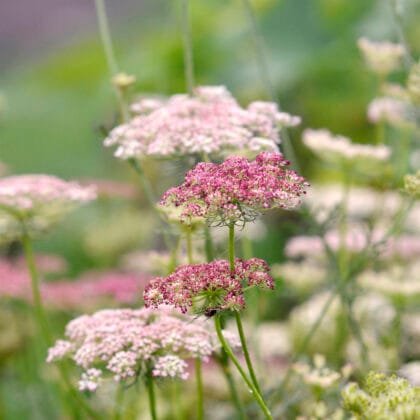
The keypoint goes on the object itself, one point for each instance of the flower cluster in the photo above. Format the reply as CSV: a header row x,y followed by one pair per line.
x,y
382,397
237,189
339,148
381,57
412,185
38,201
210,122
393,111
320,375
127,343
208,287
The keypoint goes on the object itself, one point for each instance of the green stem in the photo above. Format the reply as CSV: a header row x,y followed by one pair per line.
x,y
106,40
188,48
256,395
224,363
43,325
208,244
119,400
246,351
147,187
176,407
152,397
200,394
237,316
188,238
40,315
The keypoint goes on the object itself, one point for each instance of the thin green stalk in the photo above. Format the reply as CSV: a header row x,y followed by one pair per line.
x,y
199,384
188,238
246,351
147,187
188,48
43,325
257,396
106,40
176,408
208,244
264,73
119,400
152,397
237,316
224,363
40,315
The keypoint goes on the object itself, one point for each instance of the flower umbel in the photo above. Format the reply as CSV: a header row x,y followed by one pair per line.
x,y
236,190
210,122
128,343
208,287
37,201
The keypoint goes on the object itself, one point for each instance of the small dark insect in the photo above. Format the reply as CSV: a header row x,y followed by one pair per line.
x,y
210,312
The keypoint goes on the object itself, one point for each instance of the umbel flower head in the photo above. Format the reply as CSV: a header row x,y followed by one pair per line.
x,y
381,57
37,202
412,185
340,149
209,122
237,189
128,343
210,287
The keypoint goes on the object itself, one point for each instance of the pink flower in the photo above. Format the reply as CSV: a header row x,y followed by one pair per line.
x,y
210,122
38,201
208,287
126,343
237,189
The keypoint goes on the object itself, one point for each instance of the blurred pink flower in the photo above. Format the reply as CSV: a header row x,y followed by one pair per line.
x,y
210,122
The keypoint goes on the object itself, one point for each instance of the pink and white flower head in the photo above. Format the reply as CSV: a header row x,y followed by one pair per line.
x,y
208,288
127,343
236,190
381,57
37,201
395,112
210,122
340,149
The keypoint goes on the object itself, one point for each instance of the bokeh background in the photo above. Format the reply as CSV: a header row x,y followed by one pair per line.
x,y
56,101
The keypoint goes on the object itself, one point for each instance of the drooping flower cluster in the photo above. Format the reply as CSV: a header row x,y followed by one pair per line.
x,y
412,185
38,201
127,343
381,57
210,122
339,148
208,287
237,189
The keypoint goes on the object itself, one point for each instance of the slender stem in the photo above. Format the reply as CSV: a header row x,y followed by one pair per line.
x,y
106,40
224,363
40,315
188,237
200,394
176,407
152,397
208,244
147,187
246,351
237,316
119,400
232,247
257,396
265,77
188,48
